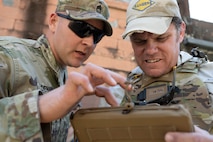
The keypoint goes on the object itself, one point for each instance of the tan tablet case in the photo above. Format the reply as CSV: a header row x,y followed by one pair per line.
x,y
126,124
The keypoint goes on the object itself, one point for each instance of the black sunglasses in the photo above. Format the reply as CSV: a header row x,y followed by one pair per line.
x,y
83,29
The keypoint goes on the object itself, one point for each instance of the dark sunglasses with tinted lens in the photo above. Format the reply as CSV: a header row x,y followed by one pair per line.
x,y
83,29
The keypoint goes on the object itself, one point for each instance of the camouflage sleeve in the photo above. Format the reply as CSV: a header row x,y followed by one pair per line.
x,y
205,74
5,70
19,118
19,112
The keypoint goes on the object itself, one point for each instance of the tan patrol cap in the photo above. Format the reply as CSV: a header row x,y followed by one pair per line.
x,y
152,16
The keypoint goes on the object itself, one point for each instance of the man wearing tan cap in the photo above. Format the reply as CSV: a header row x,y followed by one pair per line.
x,y
166,75
37,94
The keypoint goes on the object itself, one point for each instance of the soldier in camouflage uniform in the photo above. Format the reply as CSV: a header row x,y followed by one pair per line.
x,y
165,75
37,94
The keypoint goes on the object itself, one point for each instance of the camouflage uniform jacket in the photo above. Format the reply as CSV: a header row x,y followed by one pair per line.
x,y
193,86
28,69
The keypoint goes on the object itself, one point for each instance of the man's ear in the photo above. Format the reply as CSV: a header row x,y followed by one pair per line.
x,y
182,31
52,23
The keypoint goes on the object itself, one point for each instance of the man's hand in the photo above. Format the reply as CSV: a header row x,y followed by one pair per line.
x,y
198,136
92,80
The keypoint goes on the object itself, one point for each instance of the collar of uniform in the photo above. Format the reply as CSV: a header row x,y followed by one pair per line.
x,y
48,55
183,57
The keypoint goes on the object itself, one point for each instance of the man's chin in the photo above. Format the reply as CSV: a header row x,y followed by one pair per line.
x,y
153,73
75,65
